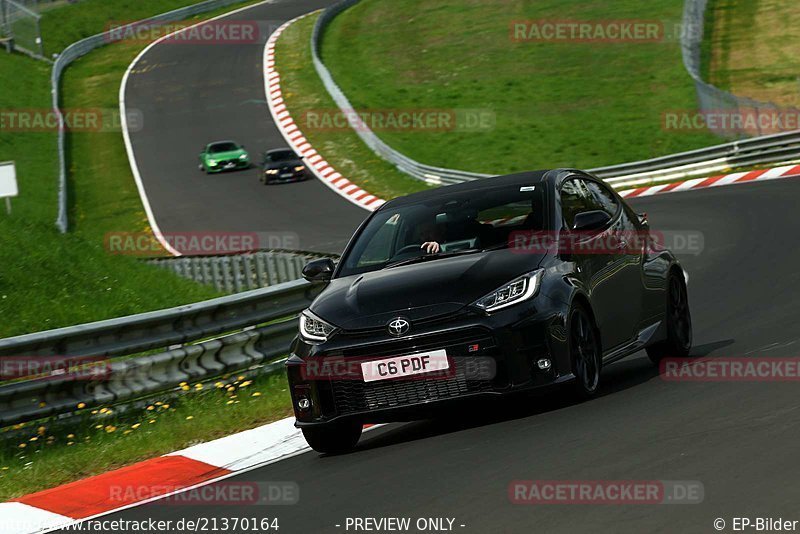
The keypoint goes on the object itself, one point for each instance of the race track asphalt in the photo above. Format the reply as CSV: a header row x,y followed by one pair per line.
x,y
190,94
739,439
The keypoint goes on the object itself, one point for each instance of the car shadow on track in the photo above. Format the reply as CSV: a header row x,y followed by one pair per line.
x,y
628,373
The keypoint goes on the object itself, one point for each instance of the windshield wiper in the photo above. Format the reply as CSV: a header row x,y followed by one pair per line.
x,y
427,257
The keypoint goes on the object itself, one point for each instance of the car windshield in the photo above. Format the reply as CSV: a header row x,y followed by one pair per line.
x,y
282,155
461,223
222,147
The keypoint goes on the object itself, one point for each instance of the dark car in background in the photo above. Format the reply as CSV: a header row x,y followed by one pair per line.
x,y
282,165
536,279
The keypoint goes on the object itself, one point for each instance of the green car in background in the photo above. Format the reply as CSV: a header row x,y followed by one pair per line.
x,y
223,156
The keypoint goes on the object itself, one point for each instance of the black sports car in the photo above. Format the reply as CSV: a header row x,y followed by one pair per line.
x,y
482,288
282,165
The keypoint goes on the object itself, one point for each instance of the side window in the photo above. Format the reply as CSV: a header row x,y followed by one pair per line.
x,y
602,198
575,198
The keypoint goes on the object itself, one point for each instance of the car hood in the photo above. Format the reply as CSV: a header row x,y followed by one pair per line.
x,y
284,163
232,154
418,291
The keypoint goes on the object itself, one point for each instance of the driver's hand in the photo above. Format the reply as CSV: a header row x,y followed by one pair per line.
x,y
431,247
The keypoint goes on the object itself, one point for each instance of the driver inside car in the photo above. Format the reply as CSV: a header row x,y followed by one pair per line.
x,y
460,226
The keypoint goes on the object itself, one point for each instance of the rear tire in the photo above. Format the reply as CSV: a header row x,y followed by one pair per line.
x,y
585,352
336,438
679,323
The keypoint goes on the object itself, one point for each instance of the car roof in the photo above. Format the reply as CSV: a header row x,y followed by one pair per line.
x,y
516,179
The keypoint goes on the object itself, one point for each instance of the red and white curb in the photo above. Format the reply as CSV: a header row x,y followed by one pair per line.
x,y
152,480
786,171
291,132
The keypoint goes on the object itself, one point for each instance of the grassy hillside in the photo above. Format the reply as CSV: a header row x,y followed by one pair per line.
x,y
752,49
556,103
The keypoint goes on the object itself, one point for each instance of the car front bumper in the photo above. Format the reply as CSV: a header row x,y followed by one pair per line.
x,y
489,355
231,166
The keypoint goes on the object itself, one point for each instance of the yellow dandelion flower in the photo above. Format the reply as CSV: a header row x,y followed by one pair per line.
x,y
240,378
70,436
81,405
182,384
42,404
198,386
190,418
137,425
151,421
151,408
110,429
23,445
166,406
219,385
256,394
185,388
70,443
245,384
98,427
229,402
35,438
41,430
159,403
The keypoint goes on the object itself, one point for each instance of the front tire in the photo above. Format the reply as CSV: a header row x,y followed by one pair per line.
x,y
334,438
679,323
585,352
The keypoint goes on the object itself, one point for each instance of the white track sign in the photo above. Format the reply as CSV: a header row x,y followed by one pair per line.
x,y
8,182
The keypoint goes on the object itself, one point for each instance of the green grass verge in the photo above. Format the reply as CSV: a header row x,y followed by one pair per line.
x,y
303,92
49,280
555,103
37,456
65,24
752,49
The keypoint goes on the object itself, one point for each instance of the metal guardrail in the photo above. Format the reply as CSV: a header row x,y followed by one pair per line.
x,y
84,46
239,272
182,344
784,147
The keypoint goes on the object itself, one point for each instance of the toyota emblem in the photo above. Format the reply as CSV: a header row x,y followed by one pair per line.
x,y
399,326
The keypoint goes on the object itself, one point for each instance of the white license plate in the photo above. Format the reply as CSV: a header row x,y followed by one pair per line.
x,y
230,165
287,175
399,366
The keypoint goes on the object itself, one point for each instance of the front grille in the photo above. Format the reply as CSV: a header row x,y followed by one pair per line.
x,y
353,396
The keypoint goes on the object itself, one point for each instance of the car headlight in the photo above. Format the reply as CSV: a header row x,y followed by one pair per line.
x,y
212,162
300,168
243,156
517,290
313,328
271,171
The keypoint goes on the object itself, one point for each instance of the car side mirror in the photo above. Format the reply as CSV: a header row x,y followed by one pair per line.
x,y
590,220
319,270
